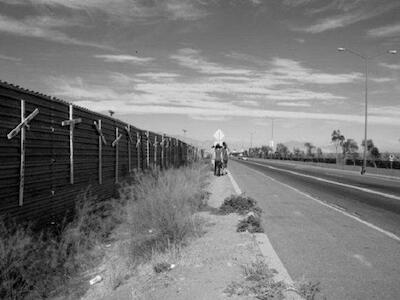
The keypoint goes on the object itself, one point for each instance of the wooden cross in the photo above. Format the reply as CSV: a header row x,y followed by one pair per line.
x,y
71,123
102,140
21,127
115,144
155,151
128,131
138,142
147,149
162,150
168,152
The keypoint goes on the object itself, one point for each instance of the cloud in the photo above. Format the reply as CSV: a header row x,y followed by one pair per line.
x,y
280,71
385,31
390,66
10,58
294,104
381,79
124,58
158,75
125,10
193,99
42,28
393,110
209,118
288,69
352,12
191,58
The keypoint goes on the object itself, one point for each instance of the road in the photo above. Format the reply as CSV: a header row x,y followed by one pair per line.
x,y
332,226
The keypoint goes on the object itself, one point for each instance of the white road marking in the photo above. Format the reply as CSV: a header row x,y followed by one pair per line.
x,y
332,182
370,225
363,260
234,184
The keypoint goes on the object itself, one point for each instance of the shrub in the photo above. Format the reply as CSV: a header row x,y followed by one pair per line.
x,y
239,204
252,224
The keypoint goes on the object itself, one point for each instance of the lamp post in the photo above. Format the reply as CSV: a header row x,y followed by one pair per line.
x,y
366,60
251,141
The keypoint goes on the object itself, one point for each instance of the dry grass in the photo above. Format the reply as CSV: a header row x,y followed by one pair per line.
x,y
35,264
154,212
161,210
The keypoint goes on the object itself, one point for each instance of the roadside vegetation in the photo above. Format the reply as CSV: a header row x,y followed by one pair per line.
x,y
154,213
247,206
259,283
346,152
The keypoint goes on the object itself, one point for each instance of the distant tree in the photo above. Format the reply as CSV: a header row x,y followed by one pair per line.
x,y
350,150
372,150
296,152
266,150
282,150
319,153
309,149
337,138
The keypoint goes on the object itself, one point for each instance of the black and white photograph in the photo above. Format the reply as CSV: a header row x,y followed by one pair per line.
x,y
199,149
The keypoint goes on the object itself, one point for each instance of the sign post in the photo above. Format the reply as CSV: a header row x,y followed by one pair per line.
x,y
219,135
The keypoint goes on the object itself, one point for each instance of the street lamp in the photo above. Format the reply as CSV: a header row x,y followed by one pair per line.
x,y
366,60
251,141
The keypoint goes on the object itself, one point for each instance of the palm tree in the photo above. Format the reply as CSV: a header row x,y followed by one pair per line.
x,y
337,138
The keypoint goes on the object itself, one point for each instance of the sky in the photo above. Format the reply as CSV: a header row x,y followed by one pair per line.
x,y
201,65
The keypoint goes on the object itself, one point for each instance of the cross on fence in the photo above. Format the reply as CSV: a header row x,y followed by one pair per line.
x,y
102,140
71,123
130,140
138,142
115,144
21,128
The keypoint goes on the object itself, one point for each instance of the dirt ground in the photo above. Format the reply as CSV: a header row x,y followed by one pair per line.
x,y
203,269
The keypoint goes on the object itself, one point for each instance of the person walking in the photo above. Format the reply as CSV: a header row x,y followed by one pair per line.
x,y
218,160
225,156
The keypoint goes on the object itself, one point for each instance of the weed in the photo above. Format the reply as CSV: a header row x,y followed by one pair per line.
x,y
239,204
307,289
251,223
259,282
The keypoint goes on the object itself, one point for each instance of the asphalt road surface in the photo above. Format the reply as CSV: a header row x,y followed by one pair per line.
x,y
330,226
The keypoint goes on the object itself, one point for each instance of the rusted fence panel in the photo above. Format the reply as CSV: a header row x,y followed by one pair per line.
x,y
51,150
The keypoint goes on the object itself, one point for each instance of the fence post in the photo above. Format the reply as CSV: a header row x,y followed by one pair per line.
x,y
102,140
147,149
155,152
115,144
162,151
130,140
138,142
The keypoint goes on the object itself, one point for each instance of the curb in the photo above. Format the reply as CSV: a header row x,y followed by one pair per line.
x,y
270,256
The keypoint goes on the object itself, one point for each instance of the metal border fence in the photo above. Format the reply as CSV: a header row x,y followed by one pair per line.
x,y
51,150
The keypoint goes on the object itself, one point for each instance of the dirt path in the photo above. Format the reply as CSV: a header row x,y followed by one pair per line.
x,y
203,269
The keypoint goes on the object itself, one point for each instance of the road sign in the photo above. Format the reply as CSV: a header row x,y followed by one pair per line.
x,y
391,157
219,135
